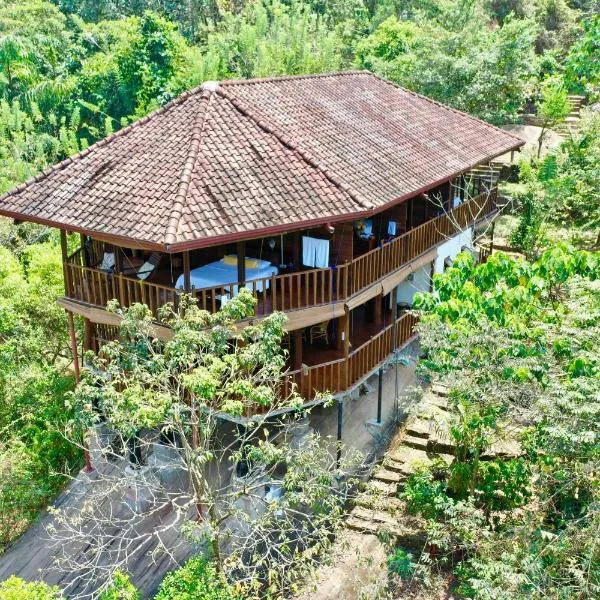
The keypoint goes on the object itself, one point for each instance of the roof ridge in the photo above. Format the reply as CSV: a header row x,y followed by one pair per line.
x,y
442,105
244,110
102,142
188,167
275,78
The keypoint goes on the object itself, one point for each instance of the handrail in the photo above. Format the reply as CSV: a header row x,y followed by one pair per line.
x,y
339,375
289,291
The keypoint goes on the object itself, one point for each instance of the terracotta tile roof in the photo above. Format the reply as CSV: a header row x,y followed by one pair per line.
x,y
237,158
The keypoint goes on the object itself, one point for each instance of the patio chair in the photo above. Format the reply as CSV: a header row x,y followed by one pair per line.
x,y
319,332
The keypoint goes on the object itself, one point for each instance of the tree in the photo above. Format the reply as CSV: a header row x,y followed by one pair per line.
x,y
582,72
162,404
515,342
452,58
553,109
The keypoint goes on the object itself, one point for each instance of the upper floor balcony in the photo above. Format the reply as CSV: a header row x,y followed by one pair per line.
x,y
357,262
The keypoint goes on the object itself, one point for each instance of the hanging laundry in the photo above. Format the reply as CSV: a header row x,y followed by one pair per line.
x,y
315,252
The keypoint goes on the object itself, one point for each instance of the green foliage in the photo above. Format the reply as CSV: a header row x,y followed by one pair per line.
x,y
15,588
570,178
452,58
120,588
517,342
425,491
401,563
528,236
582,71
35,455
503,484
196,580
270,38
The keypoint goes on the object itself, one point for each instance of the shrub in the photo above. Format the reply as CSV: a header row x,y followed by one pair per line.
x,y
15,588
401,563
120,588
504,484
196,580
424,494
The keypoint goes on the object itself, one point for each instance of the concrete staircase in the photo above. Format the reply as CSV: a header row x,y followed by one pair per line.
x,y
571,122
424,438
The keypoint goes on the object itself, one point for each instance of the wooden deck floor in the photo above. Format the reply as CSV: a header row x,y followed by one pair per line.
x,y
363,327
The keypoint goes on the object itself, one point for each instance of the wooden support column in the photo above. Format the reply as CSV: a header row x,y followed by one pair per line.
x,y
379,394
84,257
296,250
87,334
65,255
431,274
187,285
297,349
378,300
346,343
492,237
241,262
340,430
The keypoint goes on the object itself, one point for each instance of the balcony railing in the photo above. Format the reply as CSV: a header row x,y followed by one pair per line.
x,y
340,375
288,291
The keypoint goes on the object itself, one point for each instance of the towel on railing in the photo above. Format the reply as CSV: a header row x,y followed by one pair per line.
x,y
108,262
392,228
315,252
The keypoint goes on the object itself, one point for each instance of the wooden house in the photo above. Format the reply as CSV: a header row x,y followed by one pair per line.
x,y
323,195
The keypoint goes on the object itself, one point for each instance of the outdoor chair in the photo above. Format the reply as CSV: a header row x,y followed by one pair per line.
x,y
319,332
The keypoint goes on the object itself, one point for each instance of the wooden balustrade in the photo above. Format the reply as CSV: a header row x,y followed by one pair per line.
x,y
339,375
287,291
97,287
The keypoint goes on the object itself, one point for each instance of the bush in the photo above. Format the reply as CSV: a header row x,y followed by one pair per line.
x,y
15,588
503,484
120,588
401,564
424,494
196,580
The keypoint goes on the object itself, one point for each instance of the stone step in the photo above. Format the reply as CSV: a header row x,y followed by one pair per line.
x,y
403,469
376,516
420,428
387,476
442,445
412,458
362,526
416,442
439,390
390,504
381,487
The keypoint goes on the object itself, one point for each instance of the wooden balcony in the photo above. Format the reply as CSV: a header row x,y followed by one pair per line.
x,y
289,291
342,374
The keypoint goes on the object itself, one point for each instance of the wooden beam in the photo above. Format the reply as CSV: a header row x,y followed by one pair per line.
x,y
65,254
97,314
305,317
241,262
187,280
84,258
378,309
